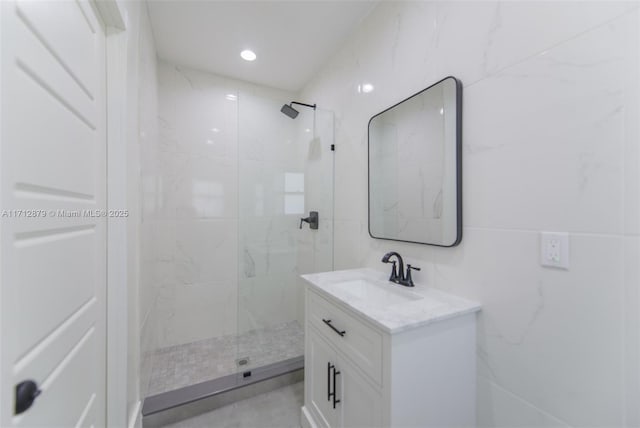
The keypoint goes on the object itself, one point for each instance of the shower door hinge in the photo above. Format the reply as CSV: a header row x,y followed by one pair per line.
x,y
333,147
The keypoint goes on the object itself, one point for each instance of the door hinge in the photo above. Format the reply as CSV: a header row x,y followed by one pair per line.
x,y
333,147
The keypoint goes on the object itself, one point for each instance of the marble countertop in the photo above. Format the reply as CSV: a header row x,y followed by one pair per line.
x,y
398,308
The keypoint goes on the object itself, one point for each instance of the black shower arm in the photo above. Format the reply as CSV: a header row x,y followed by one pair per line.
x,y
303,104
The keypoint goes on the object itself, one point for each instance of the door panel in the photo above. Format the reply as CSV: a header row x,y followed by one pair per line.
x,y
72,45
360,400
47,90
52,202
69,265
57,344
66,390
319,353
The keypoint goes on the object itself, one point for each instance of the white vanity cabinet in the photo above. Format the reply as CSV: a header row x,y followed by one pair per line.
x,y
366,372
338,394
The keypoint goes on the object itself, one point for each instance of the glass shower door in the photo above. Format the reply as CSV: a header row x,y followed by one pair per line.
x,y
286,171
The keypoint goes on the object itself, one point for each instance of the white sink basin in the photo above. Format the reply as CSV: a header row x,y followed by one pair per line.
x,y
373,293
390,306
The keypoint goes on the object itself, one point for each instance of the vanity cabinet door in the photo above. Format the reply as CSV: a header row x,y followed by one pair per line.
x,y
319,367
360,401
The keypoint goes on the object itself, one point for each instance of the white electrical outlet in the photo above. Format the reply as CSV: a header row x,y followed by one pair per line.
x,y
554,249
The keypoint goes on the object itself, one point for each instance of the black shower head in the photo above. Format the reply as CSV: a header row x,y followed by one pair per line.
x,y
293,113
289,111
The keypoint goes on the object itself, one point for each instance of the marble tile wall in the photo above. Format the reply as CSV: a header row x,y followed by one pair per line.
x,y
225,252
550,136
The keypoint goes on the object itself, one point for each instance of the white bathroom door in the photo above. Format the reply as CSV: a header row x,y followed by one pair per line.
x,y
52,224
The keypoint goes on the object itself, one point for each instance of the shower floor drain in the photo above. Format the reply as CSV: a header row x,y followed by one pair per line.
x,y
241,362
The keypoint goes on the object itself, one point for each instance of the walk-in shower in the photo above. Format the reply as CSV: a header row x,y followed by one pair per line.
x,y
228,250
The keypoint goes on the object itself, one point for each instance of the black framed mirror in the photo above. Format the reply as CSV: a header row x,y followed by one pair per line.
x,y
415,167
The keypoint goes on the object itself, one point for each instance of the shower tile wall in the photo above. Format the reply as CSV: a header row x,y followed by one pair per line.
x,y
191,213
550,135
269,150
286,171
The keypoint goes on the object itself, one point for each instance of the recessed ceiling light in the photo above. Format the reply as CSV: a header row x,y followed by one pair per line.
x,y
215,130
442,110
367,87
307,130
231,97
209,141
248,55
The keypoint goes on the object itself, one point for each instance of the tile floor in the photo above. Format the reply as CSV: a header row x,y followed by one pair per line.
x,y
184,365
279,408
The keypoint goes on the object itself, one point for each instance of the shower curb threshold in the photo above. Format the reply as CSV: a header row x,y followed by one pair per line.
x,y
189,394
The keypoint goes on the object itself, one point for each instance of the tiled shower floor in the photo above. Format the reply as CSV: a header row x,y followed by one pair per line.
x,y
183,365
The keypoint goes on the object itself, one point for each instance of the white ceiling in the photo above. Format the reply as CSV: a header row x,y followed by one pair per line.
x,y
291,38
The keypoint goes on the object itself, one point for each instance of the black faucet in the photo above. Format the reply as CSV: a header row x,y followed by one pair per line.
x,y
399,276
394,274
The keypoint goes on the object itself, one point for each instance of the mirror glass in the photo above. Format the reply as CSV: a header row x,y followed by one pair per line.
x,y
415,170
